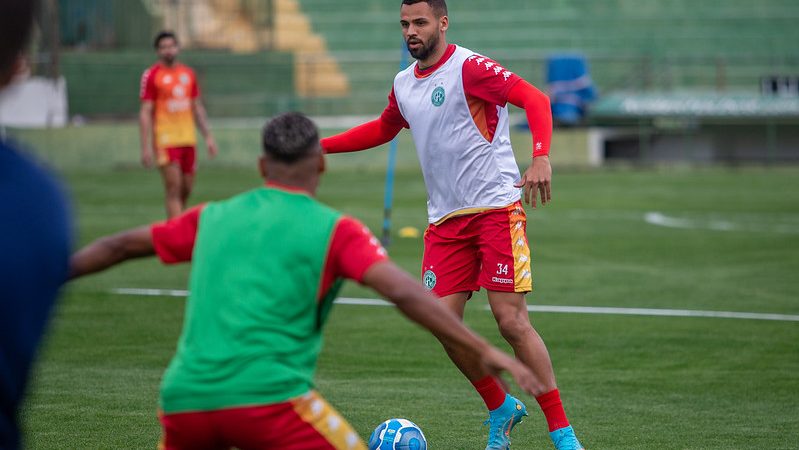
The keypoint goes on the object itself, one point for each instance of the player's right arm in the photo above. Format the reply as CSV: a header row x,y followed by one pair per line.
x,y
172,240
371,134
111,250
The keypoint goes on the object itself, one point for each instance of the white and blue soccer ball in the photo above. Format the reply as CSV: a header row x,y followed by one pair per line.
x,y
397,434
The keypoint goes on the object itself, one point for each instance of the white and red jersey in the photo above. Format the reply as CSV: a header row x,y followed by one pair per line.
x,y
458,116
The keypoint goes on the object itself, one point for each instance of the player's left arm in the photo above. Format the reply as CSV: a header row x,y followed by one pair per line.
x,y
486,79
201,116
537,179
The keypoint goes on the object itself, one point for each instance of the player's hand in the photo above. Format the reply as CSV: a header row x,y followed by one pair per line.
x,y
212,148
495,362
537,180
146,158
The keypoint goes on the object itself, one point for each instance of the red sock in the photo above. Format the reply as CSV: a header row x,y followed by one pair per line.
x,y
553,410
490,390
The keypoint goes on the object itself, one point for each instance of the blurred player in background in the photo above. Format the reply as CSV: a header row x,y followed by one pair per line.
x,y
170,103
454,101
35,238
267,265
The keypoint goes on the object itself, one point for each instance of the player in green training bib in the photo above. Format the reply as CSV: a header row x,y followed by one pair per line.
x,y
266,266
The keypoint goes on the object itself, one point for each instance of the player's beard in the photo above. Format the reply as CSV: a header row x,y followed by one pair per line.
x,y
168,59
424,50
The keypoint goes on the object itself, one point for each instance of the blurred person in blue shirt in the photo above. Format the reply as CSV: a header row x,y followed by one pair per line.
x,y
35,238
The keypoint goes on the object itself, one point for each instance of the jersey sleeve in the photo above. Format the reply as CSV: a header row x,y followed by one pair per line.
x,y
539,114
174,239
195,85
485,79
392,114
147,91
367,135
354,250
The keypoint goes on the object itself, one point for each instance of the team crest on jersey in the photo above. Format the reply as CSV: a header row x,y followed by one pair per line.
x,y
438,96
429,279
179,91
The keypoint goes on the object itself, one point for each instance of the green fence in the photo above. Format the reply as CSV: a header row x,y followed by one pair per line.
x,y
107,83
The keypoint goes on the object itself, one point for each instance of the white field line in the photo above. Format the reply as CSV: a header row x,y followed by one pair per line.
x,y
531,308
662,220
663,312
746,222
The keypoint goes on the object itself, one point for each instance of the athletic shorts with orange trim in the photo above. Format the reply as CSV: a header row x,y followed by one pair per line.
x,y
185,157
487,249
304,423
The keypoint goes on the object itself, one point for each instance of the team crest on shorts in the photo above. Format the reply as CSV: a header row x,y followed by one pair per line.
x,y
438,96
429,279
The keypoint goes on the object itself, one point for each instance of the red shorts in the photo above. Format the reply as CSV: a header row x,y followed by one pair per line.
x,y
184,156
304,423
487,249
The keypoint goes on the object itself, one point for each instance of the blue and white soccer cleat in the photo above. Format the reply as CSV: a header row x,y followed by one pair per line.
x,y
564,439
502,420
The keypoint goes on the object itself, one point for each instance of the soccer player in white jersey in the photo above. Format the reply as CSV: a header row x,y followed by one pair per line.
x,y
454,101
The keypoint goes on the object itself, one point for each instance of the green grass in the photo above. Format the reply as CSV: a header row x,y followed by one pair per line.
x,y
628,382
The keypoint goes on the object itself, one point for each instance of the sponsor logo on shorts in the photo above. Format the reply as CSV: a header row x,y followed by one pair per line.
x,y
502,280
429,279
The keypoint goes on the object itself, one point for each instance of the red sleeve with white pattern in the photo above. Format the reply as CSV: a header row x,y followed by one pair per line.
x,y
147,90
485,79
488,80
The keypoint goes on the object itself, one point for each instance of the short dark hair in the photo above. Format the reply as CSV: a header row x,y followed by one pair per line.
x,y
290,137
16,27
165,34
439,6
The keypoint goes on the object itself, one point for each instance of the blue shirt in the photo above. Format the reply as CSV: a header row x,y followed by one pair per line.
x,y
35,244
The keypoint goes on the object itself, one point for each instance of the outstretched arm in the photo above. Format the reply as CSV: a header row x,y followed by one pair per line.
x,y
172,240
371,134
111,250
415,302
537,179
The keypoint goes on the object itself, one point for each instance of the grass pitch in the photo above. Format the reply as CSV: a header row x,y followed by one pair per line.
x,y
725,240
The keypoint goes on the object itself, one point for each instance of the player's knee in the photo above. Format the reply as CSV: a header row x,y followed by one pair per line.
x,y
514,329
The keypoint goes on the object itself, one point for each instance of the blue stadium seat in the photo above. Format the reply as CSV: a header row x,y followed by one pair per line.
x,y
570,87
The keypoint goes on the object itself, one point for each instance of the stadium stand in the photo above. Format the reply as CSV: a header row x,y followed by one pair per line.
x,y
642,44
310,53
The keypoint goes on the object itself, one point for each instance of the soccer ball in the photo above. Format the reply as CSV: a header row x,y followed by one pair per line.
x,y
397,434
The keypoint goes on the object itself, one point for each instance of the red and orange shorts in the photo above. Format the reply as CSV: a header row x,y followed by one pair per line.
x,y
185,157
304,423
488,249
